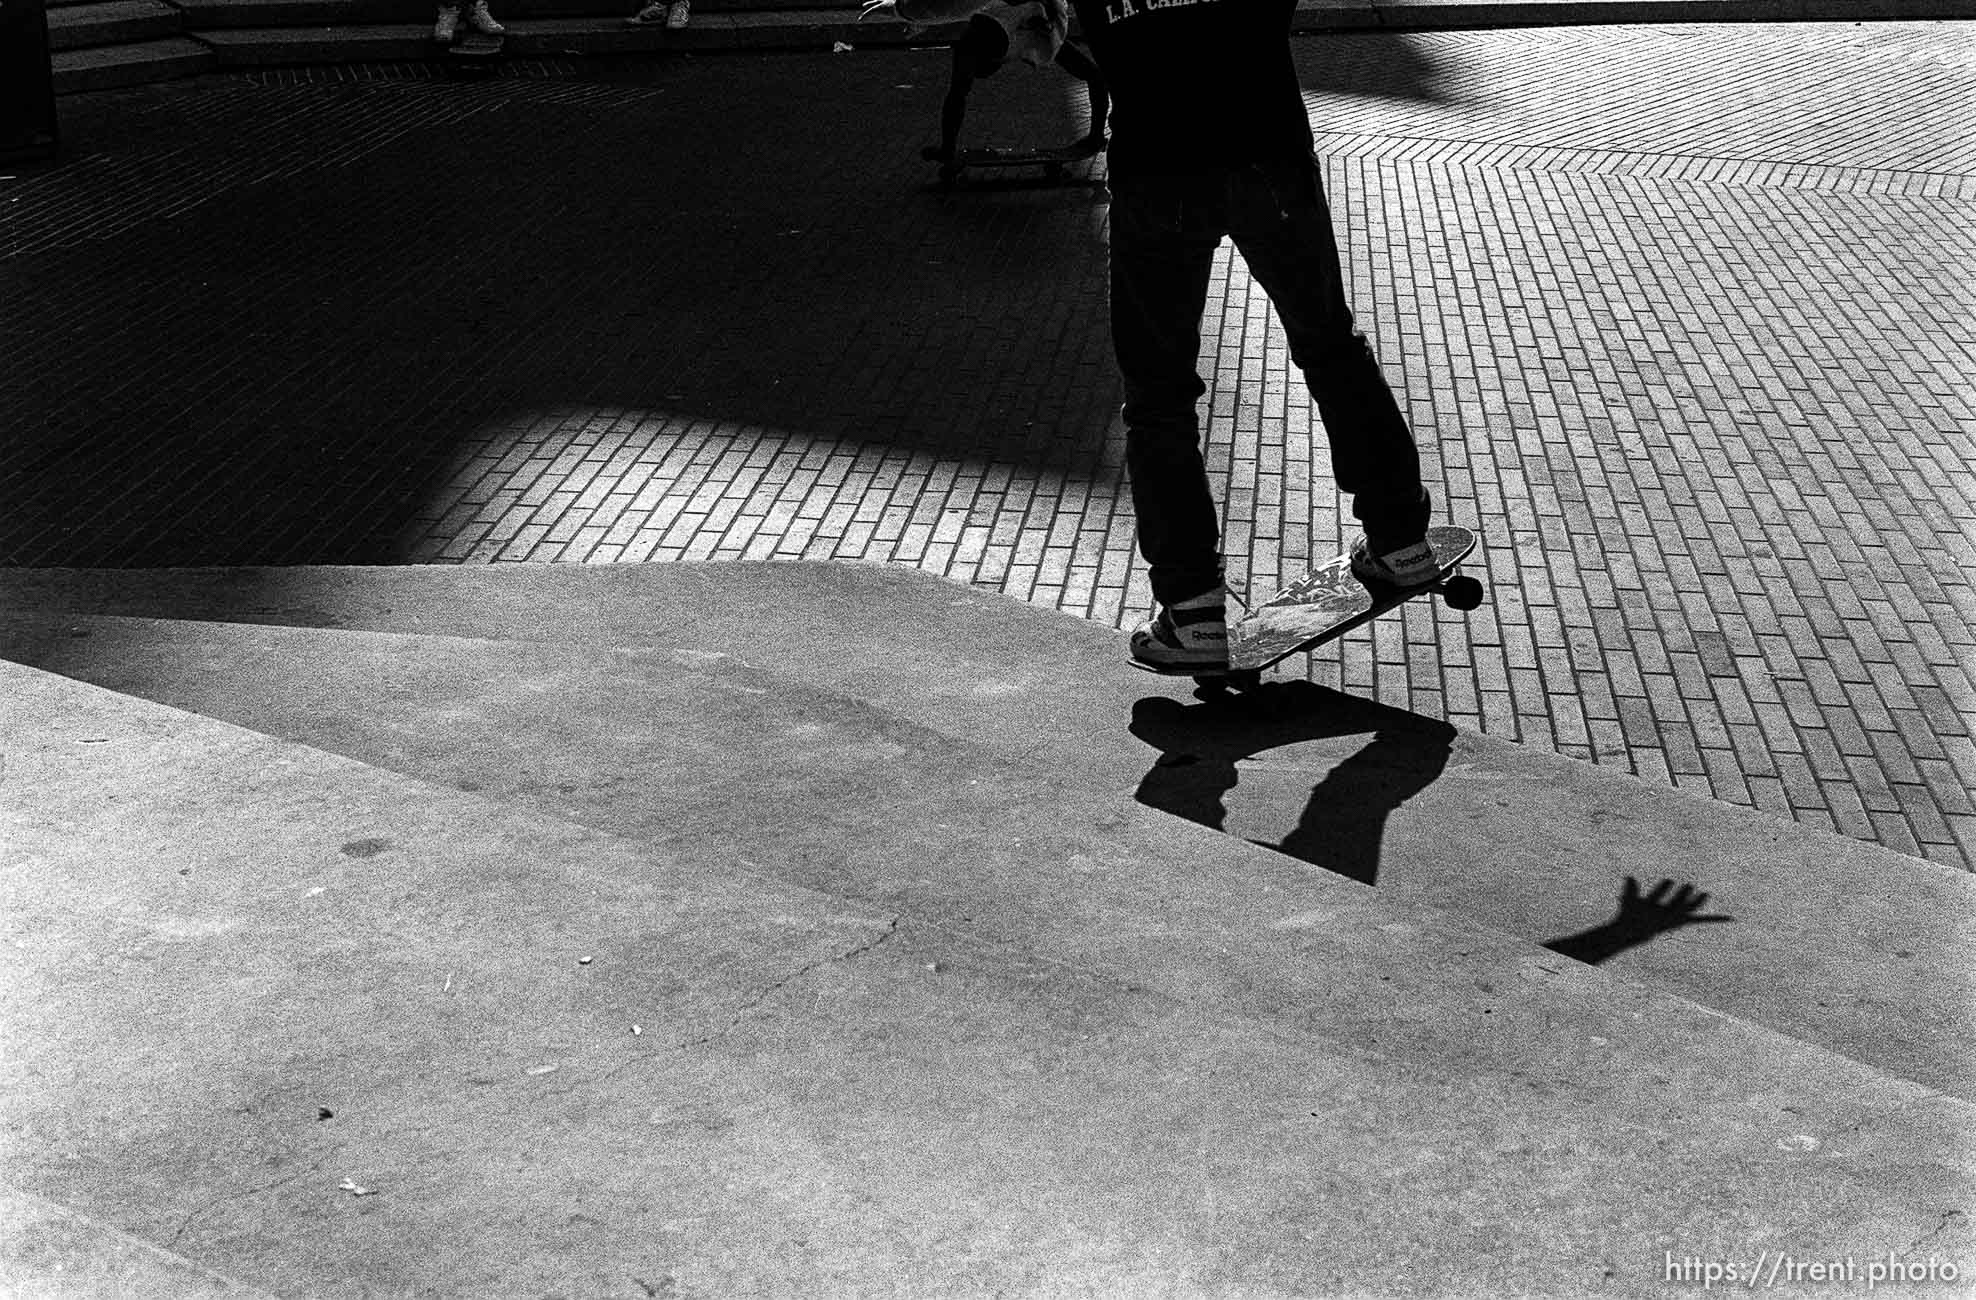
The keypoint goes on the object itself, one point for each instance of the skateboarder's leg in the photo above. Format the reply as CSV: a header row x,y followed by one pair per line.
x,y
953,109
1080,65
1162,254
1280,221
978,53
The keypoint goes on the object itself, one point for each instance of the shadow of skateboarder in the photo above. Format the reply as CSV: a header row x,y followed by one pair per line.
x,y
1343,823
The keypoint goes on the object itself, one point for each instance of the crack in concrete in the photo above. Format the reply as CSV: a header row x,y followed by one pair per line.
x,y
891,929
1948,1217
1927,1095
213,1203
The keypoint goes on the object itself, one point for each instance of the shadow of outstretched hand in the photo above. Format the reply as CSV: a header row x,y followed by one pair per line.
x,y
1665,907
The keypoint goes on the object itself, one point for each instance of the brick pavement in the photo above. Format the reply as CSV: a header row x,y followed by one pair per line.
x,y
1682,316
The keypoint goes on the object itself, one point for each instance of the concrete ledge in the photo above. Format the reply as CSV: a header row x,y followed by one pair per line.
x,y
108,67
354,1031
796,30
250,33
278,46
206,16
745,25
274,46
110,22
1840,943
221,14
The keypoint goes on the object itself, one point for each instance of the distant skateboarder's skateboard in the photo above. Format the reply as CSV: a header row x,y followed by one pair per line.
x,y
1054,162
1325,604
475,50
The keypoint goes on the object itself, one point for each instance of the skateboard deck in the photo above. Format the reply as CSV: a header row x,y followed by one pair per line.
x,y
1054,162
1326,603
472,45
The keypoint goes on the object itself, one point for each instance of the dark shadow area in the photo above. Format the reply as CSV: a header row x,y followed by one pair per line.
x,y
40,642
1381,65
266,321
1343,825
1641,917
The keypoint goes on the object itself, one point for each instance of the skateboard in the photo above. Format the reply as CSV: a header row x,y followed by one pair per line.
x,y
1323,605
1054,162
477,50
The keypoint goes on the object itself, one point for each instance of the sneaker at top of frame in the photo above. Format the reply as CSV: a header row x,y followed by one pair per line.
x,y
482,21
678,16
652,15
1188,634
1409,566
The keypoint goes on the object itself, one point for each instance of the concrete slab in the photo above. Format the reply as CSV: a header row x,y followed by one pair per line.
x,y
333,1031
1859,950
49,1253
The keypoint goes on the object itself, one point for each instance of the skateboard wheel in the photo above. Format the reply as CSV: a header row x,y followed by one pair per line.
x,y
1240,679
1462,593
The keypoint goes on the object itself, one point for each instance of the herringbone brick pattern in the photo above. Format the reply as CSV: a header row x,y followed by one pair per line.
x,y
1682,316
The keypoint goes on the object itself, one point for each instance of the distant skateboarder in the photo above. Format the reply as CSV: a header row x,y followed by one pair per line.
x,y
446,27
1033,32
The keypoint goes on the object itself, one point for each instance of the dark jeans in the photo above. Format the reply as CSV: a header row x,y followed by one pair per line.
x,y
1164,232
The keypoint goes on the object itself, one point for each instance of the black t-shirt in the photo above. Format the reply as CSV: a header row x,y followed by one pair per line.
x,y
1197,85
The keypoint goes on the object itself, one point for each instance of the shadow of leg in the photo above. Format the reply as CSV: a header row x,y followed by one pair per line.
x,y
1342,825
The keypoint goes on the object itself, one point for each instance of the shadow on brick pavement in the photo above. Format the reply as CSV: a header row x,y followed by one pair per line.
x,y
304,300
